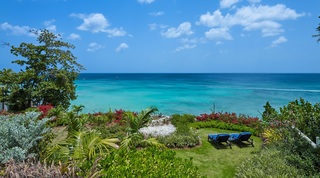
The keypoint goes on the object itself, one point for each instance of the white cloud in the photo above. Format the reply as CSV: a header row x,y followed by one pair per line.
x,y
278,41
186,46
17,30
49,25
94,46
115,32
74,36
253,17
157,13
145,1
227,3
96,22
218,33
183,29
121,47
268,28
216,19
155,26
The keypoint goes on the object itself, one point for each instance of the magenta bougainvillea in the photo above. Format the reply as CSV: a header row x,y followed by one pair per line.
x,y
231,118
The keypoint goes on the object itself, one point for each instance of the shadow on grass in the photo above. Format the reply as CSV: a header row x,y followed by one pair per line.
x,y
220,146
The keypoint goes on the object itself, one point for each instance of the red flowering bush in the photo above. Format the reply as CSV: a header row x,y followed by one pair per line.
x,y
44,109
232,118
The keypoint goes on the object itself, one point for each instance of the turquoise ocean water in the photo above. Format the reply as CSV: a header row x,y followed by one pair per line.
x,y
194,93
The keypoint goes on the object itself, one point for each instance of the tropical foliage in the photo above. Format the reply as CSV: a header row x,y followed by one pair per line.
x,y
149,162
20,135
268,163
134,138
287,126
318,30
79,152
50,70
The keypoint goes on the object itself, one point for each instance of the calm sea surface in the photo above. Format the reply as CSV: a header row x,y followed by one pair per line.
x,y
194,93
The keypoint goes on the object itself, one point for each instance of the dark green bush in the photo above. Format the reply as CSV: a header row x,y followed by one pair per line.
x,y
223,125
149,162
180,140
184,119
113,130
305,118
299,153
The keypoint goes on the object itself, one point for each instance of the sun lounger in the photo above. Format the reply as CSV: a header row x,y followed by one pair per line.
x,y
219,138
241,138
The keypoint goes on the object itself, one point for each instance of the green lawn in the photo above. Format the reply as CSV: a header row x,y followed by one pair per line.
x,y
218,163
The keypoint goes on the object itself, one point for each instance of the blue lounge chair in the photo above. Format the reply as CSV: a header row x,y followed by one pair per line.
x,y
219,138
242,137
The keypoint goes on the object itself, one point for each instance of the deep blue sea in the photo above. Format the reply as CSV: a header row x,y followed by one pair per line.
x,y
194,93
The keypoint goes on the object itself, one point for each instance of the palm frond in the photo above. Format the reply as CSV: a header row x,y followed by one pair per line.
x,y
153,142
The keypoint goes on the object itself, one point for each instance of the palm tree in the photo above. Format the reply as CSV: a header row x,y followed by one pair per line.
x,y
135,122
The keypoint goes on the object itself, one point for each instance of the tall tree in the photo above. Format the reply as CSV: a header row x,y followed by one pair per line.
x,y
318,35
47,75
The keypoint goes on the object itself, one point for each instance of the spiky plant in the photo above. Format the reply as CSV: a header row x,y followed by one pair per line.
x,y
134,138
136,122
80,150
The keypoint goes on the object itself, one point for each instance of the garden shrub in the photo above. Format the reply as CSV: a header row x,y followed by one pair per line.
x,y
232,118
112,130
297,116
20,135
44,109
299,153
149,162
180,140
185,119
268,163
224,126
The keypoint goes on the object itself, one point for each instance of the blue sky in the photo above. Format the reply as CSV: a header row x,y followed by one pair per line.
x,y
173,36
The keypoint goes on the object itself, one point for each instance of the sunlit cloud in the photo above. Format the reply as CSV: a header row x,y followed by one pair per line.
x,y
17,30
94,47
218,33
74,36
227,3
278,41
155,26
254,17
49,25
183,29
121,47
96,23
